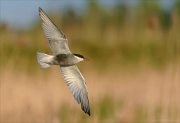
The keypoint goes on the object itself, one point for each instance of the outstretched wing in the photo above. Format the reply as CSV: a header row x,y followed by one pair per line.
x,y
57,40
77,85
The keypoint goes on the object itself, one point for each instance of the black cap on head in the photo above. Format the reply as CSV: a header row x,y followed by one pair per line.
x,y
78,55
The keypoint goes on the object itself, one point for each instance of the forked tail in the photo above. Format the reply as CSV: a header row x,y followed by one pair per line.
x,y
44,60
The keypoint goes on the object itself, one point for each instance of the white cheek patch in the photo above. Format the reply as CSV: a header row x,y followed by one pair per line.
x,y
78,58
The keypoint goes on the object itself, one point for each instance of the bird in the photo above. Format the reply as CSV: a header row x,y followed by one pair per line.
x,y
63,57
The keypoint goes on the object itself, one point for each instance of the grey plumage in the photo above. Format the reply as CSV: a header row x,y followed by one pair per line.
x,y
76,84
56,38
62,56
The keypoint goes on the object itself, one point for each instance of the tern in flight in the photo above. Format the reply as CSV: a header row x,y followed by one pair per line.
x,y
67,61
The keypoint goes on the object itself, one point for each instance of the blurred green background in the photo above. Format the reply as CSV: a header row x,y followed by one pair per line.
x,y
134,68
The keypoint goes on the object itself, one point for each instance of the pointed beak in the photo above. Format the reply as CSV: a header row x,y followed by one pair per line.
x,y
86,59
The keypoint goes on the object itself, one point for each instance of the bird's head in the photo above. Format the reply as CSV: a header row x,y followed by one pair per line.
x,y
81,57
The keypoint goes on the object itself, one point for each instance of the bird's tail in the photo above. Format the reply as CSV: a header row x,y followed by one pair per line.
x,y
44,60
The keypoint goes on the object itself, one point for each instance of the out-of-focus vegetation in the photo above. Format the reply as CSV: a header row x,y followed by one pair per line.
x,y
117,36
114,39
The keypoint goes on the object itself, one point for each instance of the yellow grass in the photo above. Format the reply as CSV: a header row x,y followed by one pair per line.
x,y
145,95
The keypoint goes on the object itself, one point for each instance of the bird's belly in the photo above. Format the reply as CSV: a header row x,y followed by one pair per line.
x,y
63,62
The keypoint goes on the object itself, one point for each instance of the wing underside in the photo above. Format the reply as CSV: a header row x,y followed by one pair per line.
x,y
56,38
77,86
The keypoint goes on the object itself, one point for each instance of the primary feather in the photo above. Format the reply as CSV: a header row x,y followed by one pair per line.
x,y
56,38
76,84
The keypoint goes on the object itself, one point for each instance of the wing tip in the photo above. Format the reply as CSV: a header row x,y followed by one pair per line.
x,y
89,113
40,9
41,12
86,110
